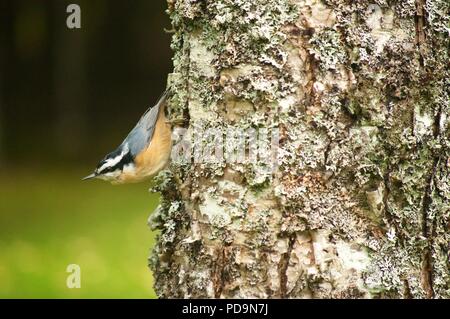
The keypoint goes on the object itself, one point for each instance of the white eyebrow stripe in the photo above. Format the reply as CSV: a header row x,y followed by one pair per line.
x,y
110,162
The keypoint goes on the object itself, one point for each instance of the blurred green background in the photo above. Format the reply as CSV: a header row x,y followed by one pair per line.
x,y
68,97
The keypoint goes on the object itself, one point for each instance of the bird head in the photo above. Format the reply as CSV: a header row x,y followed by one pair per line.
x,y
112,166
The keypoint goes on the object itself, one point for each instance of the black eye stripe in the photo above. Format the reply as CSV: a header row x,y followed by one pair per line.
x,y
108,169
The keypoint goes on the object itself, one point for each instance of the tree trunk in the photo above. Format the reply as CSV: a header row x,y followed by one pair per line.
x,y
359,203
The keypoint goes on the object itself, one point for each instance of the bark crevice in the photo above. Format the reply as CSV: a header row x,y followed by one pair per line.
x,y
219,273
427,233
420,28
283,266
428,227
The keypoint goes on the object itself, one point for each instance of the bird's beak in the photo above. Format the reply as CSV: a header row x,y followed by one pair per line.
x,y
89,177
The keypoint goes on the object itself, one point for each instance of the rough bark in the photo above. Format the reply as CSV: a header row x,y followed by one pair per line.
x,y
360,203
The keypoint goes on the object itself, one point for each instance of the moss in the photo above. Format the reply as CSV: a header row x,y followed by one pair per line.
x,y
362,113
327,48
438,17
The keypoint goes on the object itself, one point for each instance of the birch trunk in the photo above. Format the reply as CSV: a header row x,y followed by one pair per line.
x,y
359,205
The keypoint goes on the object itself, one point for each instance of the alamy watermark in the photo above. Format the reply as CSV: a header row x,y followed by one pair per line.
x,y
227,144
74,279
73,20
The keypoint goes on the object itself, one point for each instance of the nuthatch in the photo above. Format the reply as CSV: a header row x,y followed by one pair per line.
x,y
143,153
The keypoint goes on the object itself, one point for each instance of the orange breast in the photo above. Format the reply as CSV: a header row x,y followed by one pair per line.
x,y
155,157
157,154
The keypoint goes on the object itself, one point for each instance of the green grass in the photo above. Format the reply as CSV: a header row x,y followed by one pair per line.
x,y
51,220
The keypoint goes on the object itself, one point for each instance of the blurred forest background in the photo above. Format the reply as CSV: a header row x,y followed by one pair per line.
x,y
68,97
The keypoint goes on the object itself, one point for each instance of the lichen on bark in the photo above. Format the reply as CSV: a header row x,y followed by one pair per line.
x,y
359,205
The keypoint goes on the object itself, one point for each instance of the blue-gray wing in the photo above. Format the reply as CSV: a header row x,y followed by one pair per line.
x,y
139,138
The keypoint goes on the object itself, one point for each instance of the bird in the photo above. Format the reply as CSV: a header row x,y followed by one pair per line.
x,y
143,153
